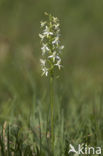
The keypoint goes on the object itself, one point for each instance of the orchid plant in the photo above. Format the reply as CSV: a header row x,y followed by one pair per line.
x,y
51,49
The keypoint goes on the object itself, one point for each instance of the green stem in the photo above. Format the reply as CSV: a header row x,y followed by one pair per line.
x,y
52,110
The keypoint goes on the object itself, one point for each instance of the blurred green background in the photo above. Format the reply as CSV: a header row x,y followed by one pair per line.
x,y
78,107
82,35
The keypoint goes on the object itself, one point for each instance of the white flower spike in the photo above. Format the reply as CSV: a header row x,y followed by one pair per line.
x,y
50,45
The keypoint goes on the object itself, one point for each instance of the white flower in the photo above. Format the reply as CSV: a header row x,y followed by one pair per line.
x,y
41,36
55,19
58,64
45,71
43,23
56,26
62,47
56,41
47,31
54,56
44,49
42,62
